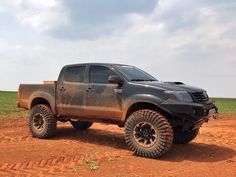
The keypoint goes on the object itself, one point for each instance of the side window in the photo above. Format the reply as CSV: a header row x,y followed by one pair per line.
x,y
99,74
74,74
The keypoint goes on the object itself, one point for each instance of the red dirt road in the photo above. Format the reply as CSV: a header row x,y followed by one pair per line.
x,y
102,148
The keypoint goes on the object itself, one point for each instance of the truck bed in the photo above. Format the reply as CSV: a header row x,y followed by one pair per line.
x,y
27,93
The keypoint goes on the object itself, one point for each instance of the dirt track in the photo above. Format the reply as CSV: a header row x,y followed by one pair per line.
x,y
212,154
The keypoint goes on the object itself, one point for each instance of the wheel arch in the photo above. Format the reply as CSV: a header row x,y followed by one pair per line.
x,y
144,105
42,98
39,100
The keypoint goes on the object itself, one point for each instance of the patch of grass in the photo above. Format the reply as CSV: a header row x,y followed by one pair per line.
x,y
76,169
8,106
226,105
93,165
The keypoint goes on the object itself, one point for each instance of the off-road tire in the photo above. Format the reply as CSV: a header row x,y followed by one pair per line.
x,y
81,125
158,123
185,137
49,124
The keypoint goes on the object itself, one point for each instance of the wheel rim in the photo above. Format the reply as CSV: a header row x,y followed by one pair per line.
x,y
145,134
38,122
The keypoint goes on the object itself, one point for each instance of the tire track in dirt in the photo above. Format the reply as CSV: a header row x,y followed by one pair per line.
x,y
59,164
43,167
15,138
55,165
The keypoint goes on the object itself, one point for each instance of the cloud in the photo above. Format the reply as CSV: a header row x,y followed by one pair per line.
x,y
92,19
189,41
76,19
103,11
42,15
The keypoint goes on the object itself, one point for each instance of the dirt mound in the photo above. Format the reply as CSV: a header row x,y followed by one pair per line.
x,y
101,151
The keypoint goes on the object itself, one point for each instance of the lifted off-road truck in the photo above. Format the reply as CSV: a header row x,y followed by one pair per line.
x,y
154,114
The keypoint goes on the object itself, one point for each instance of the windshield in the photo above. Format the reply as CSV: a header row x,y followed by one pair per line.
x,y
134,74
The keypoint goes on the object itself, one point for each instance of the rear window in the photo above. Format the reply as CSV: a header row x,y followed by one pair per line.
x,y
74,74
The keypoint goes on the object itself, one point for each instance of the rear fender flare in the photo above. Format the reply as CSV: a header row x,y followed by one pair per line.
x,y
44,95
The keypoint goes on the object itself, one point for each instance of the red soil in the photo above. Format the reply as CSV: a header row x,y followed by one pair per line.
x,y
211,154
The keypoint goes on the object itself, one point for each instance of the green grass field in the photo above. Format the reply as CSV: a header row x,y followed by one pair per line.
x,y
226,105
8,108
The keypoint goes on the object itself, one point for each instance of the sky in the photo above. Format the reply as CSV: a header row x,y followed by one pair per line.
x,y
173,40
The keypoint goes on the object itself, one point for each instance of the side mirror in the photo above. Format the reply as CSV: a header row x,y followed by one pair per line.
x,y
114,79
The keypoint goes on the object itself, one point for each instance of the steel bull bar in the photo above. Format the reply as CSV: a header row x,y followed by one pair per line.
x,y
211,113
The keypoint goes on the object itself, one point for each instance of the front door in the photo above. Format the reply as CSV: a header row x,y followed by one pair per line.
x,y
103,100
71,92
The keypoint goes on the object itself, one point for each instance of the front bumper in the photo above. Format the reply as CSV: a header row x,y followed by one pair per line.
x,y
211,113
192,115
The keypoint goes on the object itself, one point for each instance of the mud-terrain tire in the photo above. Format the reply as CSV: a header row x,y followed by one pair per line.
x,y
185,137
81,125
42,123
148,133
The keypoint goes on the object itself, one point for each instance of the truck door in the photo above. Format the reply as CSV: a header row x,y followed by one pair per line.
x,y
103,100
71,91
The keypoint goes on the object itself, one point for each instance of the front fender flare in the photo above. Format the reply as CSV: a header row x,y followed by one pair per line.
x,y
138,98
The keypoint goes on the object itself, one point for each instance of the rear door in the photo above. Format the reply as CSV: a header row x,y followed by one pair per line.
x,y
103,100
71,91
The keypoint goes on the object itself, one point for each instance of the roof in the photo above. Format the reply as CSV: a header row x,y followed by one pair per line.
x,y
102,64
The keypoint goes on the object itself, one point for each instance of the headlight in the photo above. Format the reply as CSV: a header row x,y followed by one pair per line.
x,y
179,95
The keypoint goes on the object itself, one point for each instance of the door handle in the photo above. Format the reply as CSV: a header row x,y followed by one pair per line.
x,y
62,89
118,91
89,90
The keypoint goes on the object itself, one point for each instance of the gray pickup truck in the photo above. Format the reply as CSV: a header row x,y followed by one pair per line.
x,y
154,114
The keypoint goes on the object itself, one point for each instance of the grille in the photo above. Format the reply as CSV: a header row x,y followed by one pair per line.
x,y
200,97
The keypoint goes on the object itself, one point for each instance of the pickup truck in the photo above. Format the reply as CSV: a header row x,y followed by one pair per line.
x,y
154,114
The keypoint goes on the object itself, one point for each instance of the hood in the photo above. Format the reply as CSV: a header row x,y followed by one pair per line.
x,y
172,86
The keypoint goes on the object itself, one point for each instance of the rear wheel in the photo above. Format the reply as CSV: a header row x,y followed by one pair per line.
x,y
42,123
81,125
184,137
148,133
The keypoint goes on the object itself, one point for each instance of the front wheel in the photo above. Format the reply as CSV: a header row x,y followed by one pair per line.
x,y
148,133
42,123
184,137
